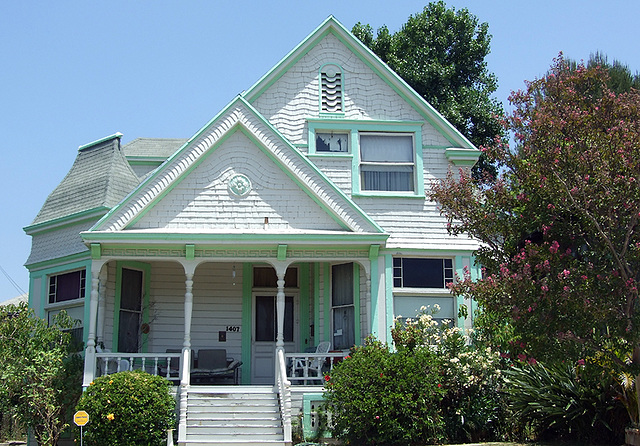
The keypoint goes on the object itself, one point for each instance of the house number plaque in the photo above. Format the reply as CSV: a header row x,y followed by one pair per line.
x,y
233,328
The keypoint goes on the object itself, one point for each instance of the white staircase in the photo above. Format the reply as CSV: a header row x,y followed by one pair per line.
x,y
233,416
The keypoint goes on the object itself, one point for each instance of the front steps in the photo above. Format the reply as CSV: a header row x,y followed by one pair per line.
x,y
233,416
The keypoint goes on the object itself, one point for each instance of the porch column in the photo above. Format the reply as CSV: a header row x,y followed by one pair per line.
x,y
280,305
90,352
185,360
102,291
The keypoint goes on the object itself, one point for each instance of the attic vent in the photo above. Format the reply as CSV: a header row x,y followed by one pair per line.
x,y
331,89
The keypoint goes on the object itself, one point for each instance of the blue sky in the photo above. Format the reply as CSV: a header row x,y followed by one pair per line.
x,y
76,71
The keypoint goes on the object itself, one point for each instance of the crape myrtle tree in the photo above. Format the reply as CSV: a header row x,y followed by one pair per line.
x,y
560,227
441,53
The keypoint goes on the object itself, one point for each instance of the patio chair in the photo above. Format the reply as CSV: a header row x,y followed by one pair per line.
x,y
213,365
312,367
174,367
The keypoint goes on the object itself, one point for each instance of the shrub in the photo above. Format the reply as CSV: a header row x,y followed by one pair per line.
x,y
128,409
567,402
380,397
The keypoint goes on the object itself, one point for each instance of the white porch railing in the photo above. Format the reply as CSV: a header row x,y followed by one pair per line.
x,y
310,368
284,394
163,364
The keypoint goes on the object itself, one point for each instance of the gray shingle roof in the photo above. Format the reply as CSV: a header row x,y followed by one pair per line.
x,y
152,147
100,176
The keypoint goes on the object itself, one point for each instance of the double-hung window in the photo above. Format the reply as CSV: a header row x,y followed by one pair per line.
x,y
387,162
67,286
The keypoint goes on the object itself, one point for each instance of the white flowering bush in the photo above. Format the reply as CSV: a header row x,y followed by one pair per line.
x,y
472,408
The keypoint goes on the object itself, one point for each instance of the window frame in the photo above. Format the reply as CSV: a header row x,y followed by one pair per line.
x,y
446,278
389,164
354,127
82,287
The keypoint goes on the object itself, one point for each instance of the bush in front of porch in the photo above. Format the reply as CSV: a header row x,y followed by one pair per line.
x,y
128,409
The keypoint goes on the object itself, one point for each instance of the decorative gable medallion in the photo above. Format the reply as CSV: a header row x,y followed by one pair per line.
x,y
239,185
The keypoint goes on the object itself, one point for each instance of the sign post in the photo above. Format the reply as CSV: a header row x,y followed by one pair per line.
x,y
81,418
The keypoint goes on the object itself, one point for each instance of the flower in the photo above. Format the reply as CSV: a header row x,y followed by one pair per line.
x,y
110,417
327,377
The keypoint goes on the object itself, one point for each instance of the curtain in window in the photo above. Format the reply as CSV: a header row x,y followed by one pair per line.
x,y
384,162
343,308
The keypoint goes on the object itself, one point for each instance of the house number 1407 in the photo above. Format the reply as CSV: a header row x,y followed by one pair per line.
x,y
233,328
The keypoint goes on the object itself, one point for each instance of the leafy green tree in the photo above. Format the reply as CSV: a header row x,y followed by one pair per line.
x,y
39,379
441,53
561,226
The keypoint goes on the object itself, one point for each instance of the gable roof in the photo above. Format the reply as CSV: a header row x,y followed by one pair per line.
x,y
333,26
99,178
239,115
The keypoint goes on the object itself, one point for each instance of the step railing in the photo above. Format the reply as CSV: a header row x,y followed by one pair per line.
x,y
284,394
311,368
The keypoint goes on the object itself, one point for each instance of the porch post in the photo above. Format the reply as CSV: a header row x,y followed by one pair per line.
x,y
185,360
102,291
90,352
280,306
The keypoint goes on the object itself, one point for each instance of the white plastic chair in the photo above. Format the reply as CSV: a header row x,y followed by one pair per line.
x,y
305,366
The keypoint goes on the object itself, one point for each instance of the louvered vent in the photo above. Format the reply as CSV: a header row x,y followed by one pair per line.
x,y
331,90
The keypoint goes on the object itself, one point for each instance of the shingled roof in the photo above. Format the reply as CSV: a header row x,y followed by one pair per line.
x,y
100,177
152,147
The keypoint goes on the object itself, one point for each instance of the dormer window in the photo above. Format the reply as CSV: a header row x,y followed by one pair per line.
x,y
331,89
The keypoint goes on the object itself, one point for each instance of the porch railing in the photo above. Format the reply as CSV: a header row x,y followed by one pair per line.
x,y
284,394
311,368
163,364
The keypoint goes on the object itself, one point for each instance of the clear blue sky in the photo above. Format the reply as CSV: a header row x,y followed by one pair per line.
x,y
75,71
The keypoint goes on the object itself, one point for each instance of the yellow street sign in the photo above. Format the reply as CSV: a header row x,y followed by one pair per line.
x,y
81,418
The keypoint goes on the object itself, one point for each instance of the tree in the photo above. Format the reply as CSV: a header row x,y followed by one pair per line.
x,y
561,225
38,376
441,53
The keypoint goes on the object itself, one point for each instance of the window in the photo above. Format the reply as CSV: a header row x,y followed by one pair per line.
x,y
331,89
342,306
387,162
422,273
266,319
265,277
332,142
67,286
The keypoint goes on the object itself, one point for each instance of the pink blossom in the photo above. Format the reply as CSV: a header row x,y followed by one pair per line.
x,y
554,247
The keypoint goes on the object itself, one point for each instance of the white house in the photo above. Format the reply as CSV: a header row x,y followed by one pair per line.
x,y
297,215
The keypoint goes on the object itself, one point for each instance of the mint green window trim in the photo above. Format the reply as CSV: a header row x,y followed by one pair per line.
x,y
146,286
43,275
247,271
375,310
459,269
357,335
354,127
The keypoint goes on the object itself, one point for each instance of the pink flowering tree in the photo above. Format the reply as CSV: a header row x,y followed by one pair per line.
x,y
561,226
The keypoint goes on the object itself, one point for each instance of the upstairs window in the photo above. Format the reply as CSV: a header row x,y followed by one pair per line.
x,y
422,273
67,286
332,142
387,162
331,89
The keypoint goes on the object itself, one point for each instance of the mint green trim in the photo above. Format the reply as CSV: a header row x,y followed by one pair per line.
x,y
316,301
247,310
442,252
338,237
326,278
375,280
50,263
117,135
462,157
305,296
146,272
390,194
68,220
282,252
96,251
374,251
190,252
388,274
308,431
356,304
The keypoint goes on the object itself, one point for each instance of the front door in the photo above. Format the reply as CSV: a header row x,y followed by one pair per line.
x,y
264,332
130,313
